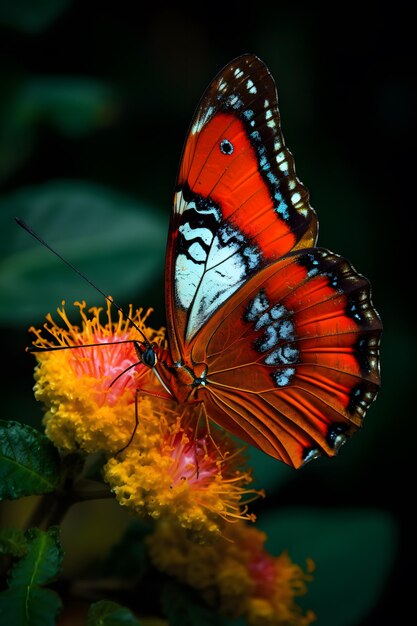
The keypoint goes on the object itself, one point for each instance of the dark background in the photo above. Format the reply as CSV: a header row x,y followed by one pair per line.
x,y
346,89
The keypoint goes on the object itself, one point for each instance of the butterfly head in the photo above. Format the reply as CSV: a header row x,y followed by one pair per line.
x,y
146,353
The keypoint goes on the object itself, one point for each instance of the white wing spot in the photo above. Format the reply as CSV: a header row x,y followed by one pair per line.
x,y
312,454
257,306
270,339
197,252
251,87
284,355
277,311
193,233
286,329
188,276
263,320
283,377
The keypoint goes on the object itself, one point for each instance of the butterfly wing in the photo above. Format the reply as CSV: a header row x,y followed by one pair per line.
x,y
286,332
292,358
238,204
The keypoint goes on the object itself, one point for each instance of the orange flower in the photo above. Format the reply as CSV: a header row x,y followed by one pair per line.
x,y
234,573
93,396
171,473
89,393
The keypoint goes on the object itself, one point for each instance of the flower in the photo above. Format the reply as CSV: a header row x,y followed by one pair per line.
x,y
235,573
172,472
171,466
89,393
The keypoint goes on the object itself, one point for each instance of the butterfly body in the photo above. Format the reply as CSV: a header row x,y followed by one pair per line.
x,y
277,338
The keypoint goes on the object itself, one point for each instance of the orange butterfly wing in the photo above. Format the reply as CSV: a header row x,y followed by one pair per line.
x,y
284,333
292,358
238,204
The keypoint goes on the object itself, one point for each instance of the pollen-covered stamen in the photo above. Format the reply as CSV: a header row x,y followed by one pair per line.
x,y
90,392
112,363
191,460
173,472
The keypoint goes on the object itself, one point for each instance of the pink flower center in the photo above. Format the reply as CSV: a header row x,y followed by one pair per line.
x,y
192,461
114,366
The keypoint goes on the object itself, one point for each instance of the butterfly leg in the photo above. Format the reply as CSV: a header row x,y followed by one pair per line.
x,y
208,435
133,433
200,444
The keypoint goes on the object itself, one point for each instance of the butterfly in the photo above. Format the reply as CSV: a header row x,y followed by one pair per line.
x,y
277,338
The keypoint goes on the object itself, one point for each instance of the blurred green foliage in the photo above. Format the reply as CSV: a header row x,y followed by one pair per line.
x,y
71,105
352,549
105,613
76,216
31,16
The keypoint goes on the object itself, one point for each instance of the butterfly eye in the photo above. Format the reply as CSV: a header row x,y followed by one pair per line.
x,y
226,147
148,356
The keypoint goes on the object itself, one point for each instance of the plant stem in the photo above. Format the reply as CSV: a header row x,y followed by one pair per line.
x,y
52,507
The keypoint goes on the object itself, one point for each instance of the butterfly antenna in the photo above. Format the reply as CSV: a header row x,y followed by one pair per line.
x,y
28,229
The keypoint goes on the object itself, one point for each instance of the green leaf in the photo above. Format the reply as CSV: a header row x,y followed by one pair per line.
x,y
182,607
31,16
25,602
106,613
13,541
117,241
42,562
352,549
29,463
22,606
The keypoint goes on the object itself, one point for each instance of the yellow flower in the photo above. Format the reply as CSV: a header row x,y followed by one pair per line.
x,y
171,472
89,393
187,478
173,467
234,573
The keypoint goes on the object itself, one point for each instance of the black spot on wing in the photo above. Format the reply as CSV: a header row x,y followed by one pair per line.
x,y
360,398
336,435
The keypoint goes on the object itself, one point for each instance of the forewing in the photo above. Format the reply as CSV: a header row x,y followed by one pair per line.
x,y
238,204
